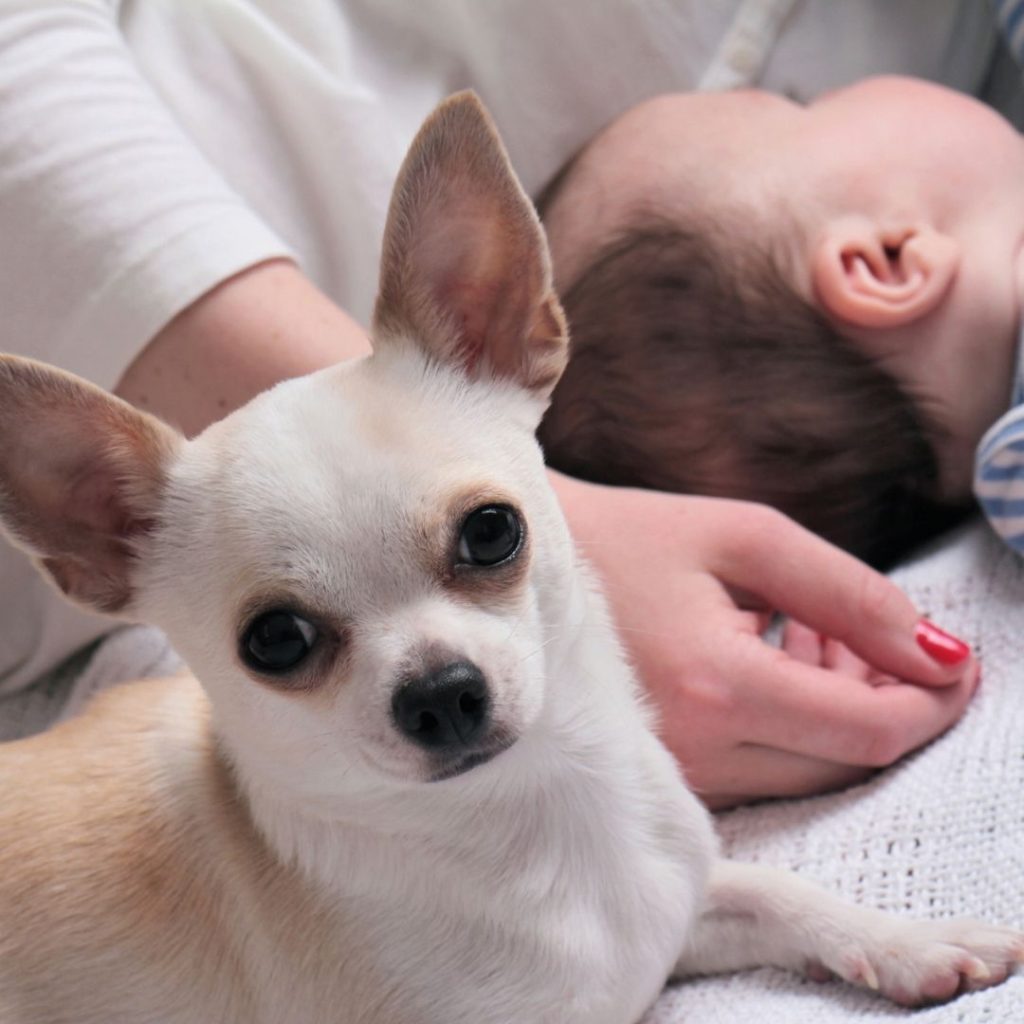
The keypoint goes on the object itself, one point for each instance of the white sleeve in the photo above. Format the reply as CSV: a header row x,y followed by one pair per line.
x,y
111,220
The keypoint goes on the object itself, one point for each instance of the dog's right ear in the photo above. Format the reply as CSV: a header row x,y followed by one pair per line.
x,y
81,475
465,271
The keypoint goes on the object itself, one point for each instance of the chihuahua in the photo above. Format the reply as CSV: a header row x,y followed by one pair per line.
x,y
413,779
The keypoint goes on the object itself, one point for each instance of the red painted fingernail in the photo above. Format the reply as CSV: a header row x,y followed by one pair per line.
x,y
938,644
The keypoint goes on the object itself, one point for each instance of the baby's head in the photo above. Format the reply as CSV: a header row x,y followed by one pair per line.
x,y
811,306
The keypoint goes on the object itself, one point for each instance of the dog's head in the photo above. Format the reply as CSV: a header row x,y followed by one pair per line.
x,y
362,566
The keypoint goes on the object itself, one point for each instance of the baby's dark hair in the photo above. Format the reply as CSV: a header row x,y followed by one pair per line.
x,y
697,370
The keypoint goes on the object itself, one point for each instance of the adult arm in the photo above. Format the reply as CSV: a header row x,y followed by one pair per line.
x,y
111,220
259,327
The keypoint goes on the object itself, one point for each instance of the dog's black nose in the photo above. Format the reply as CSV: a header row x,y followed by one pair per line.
x,y
447,708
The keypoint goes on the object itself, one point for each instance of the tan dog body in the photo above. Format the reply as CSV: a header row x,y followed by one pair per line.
x,y
166,904
418,783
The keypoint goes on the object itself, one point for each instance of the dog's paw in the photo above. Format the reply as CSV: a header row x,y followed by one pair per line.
x,y
915,962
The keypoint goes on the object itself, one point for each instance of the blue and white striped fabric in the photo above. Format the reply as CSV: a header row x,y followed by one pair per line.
x,y
999,461
999,466
1010,15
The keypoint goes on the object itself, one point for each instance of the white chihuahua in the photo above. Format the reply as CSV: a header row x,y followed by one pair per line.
x,y
417,783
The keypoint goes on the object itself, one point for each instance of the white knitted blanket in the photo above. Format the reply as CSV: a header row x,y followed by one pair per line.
x,y
941,834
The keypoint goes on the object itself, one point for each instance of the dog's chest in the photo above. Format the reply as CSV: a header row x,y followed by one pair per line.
x,y
575,912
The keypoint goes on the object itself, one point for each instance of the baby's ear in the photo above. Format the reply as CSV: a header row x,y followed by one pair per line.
x,y
876,278
465,271
81,477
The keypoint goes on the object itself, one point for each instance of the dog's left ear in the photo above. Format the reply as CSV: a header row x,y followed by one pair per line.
x,y
465,271
81,478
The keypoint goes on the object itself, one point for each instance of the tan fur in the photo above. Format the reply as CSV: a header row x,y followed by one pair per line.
x,y
132,839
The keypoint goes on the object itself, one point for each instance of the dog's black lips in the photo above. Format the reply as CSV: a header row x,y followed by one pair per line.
x,y
461,765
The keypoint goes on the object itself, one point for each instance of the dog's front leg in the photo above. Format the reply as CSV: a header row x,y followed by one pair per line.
x,y
756,916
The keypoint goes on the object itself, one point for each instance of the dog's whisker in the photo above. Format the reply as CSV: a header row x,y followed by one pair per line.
x,y
537,650
626,629
515,628
644,632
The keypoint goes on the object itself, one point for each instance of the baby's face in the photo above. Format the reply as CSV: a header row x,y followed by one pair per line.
x,y
893,154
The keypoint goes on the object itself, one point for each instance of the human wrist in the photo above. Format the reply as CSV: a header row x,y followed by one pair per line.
x,y
585,505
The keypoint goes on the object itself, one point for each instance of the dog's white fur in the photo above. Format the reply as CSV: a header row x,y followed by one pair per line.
x,y
274,850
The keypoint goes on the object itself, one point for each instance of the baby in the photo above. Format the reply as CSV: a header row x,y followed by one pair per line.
x,y
816,307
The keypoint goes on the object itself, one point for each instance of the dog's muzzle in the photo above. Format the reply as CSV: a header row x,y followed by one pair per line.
x,y
446,711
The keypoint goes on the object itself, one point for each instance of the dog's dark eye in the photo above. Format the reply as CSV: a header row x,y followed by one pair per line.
x,y
277,641
490,535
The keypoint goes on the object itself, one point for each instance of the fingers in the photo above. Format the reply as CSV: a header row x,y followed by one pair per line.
x,y
816,712
794,571
810,647
839,658
801,642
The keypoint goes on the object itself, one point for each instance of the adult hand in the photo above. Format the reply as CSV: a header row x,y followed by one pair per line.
x,y
691,582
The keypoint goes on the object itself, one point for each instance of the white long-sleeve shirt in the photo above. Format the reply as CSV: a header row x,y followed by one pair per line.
x,y
151,148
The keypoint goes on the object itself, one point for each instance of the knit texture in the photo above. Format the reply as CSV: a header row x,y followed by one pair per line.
x,y
939,835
